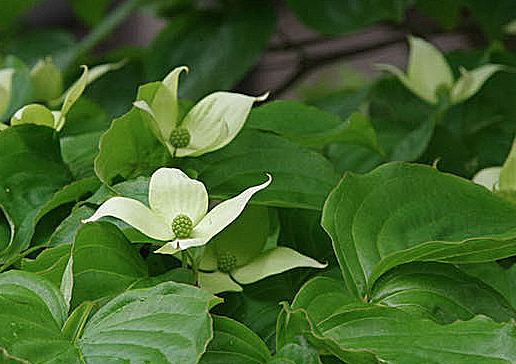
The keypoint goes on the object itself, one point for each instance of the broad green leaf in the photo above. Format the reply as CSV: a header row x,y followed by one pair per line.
x,y
72,328
128,149
382,334
343,16
301,178
297,351
231,40
446,13
400,213
31,172
310,126
105,263
165,324
49,264
74,192
403,122
502,279
32,314
234,343
66,230
439,292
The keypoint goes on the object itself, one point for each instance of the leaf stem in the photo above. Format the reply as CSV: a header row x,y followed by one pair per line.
x,y
100,32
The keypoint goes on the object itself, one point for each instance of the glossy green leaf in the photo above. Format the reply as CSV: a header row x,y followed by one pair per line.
x,y
234,343
165,324
231,40
128,149
360,332
400,213
343,16
381,334
105,263
31,171
32,314
297,351
440,292
301,178
502,279
49,264
310,126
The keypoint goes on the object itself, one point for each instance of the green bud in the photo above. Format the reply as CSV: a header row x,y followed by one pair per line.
x,y
180,138
226,262
47,80
182,226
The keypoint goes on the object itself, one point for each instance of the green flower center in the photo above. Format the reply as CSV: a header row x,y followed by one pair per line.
x,y
226,262
182,226
180,138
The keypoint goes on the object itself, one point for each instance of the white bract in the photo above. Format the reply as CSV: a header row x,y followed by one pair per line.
x,y
210,125
247,251
428,73
499,179
178,211
6,76
41,115
45,81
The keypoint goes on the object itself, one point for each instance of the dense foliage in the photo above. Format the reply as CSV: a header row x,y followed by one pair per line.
x,y
148,214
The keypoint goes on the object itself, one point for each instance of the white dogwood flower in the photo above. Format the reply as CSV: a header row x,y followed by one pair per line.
x,y
178,210
210,125
428,72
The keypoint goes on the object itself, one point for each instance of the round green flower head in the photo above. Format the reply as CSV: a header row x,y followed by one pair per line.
x,y
180,138
182,226
226,262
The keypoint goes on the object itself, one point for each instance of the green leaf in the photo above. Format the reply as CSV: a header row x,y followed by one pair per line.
x,y
105,263
231,40
50,264
300,177
234,343
129,149
80,136
400,213
380,334
343,16
72,328
297,351
165,324
503,280
310,126
404,123
31,171
32,314
439,292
